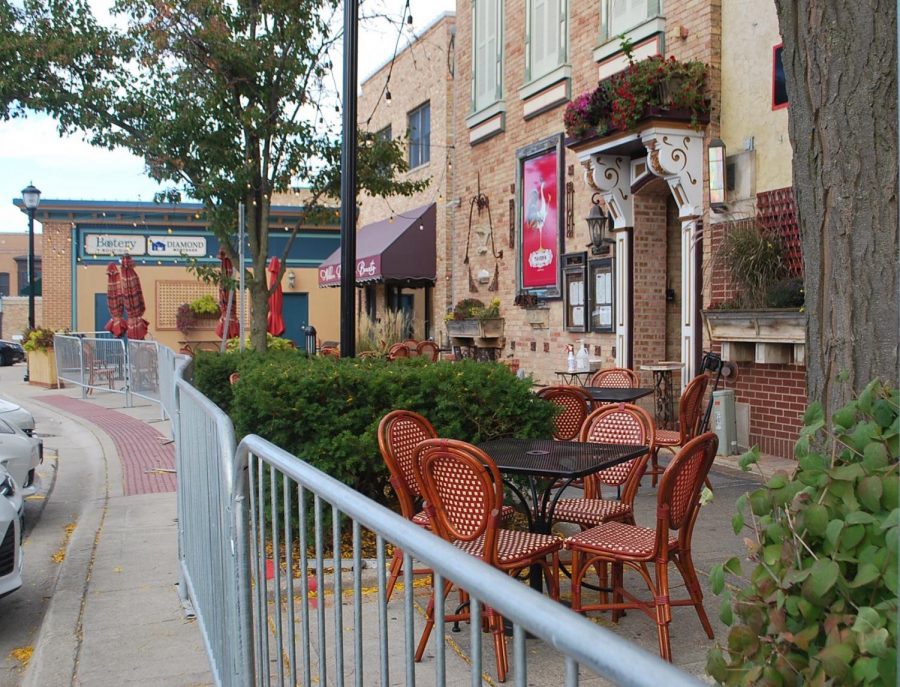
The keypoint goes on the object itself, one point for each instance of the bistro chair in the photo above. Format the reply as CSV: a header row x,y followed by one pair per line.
x,y
621,544
463,493
690,416
619,424
575,403
399,432
234,378
615,377
97,370
398,350
428,349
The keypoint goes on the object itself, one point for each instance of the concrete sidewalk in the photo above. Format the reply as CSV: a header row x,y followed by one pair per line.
x,y
115,616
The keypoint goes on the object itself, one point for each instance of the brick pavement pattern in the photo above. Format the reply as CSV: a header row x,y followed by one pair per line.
x,y
139,446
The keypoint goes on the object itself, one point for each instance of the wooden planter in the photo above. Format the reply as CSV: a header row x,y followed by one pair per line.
x,y
485,329
760,336
42,368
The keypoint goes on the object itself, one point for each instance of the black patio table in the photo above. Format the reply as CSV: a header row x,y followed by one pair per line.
x,y
612,394
560,463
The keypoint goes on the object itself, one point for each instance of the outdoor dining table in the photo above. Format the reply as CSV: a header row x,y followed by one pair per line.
x,y
559,463
611,394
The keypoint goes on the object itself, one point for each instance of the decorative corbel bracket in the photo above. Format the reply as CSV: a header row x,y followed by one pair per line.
x,y
677,156
610,176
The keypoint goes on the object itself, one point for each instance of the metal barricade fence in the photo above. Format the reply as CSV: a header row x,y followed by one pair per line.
x,y
92,362
69,367
143,369
167,359
265,620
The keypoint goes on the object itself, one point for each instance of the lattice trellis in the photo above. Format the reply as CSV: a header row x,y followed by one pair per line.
x,y
777,212
171,294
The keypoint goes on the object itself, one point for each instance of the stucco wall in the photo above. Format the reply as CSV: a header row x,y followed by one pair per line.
x,y
749,34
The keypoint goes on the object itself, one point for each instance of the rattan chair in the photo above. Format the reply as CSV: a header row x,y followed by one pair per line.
x,y
463,491
619,424
619,545
398,350
428,349
576,406
615,377
690,415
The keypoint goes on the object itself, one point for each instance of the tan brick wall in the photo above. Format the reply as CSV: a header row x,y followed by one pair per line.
x,y
15,316
420,74
541,351
57,275
14,246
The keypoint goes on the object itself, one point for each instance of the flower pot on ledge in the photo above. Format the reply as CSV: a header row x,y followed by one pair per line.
x,y
472,328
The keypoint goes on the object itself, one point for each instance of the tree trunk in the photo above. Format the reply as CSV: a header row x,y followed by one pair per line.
x,y
840,62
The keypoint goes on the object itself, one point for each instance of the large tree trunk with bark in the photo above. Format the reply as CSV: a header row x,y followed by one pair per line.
x,y
840,61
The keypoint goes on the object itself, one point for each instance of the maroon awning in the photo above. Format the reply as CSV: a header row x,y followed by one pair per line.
x,y
395,251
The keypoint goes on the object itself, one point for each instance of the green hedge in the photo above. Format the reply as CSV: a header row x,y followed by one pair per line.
x,y
326,410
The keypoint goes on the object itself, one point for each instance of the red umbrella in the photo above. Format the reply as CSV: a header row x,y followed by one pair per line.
x,y
133,299
234,328
116,325
276,300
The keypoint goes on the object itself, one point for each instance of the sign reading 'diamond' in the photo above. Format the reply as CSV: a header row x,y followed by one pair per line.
x,y
194,246
114,244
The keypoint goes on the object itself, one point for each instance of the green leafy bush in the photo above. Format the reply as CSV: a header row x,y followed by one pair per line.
x,y
820,606
38,339
326,410
205,305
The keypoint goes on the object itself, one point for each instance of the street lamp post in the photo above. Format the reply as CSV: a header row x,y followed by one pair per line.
x,y
31,197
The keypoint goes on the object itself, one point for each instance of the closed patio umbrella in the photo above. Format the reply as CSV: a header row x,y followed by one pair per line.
x,y
234,327
133,300
276,300
114,300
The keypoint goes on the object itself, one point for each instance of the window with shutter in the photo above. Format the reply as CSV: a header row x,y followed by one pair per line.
x,y
626,14
547,39
486,61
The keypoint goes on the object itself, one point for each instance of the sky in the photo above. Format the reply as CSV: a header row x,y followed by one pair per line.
x,y
31,151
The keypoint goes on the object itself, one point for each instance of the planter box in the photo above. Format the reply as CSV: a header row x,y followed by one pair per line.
x,y
756,326
538,318
471,329
42,368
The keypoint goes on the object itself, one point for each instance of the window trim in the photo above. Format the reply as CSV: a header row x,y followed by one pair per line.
x,y
778,106
498,95
654,11
562,57
409,116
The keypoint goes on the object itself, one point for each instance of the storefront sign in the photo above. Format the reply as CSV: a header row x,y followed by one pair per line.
x,y
367,269
194,246
114,244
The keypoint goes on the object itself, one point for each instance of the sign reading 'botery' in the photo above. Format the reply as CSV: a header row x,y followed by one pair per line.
x,y
114,244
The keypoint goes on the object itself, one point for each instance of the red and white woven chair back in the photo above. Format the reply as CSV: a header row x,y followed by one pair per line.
x,y
620,424
428,349
399,432
615,378
398,350
679,488
462,487
575,404
690,407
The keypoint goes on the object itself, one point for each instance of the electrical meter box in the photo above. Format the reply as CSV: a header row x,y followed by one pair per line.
x,y
724,421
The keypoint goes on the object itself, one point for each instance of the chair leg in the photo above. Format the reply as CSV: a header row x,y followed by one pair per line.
x,y
689,573
654,466
429,619
396,566
576,580
663,609
495,623
618,583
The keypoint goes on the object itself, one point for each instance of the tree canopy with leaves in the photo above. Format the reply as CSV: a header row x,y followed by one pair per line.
x,y
225,101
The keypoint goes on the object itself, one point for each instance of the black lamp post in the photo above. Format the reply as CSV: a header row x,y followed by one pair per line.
x,y
598,225
31,197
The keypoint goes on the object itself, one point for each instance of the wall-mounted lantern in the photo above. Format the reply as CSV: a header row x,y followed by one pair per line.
x,y
599,225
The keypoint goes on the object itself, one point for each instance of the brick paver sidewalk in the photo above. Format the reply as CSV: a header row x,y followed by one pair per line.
x,y
148,464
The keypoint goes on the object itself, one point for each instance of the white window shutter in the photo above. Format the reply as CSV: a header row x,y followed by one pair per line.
x,y
486,52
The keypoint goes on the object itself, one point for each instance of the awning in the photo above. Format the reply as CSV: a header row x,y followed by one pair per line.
x,y
400,250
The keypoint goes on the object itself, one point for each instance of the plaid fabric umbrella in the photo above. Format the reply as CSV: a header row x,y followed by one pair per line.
x,y
133,299
234,328
116,325
276,300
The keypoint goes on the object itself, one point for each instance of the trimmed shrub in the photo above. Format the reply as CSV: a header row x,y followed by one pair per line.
x,y
326,410
820,606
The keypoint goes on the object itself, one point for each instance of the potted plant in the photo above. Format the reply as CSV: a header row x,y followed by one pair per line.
x,y
471,318
201,312
768,303
38,344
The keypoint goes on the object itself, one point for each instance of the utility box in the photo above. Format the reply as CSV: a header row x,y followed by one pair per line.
x,y
724,421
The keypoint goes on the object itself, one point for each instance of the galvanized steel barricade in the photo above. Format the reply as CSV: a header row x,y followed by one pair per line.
x,y
143,369
207,540
92,362
166,361
299,637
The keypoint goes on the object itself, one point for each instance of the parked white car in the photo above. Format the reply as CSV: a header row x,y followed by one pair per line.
x,y
22,454
12,520
17,416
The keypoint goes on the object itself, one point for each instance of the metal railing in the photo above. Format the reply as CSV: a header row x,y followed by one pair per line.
x,y
265,620
93,363
143,369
